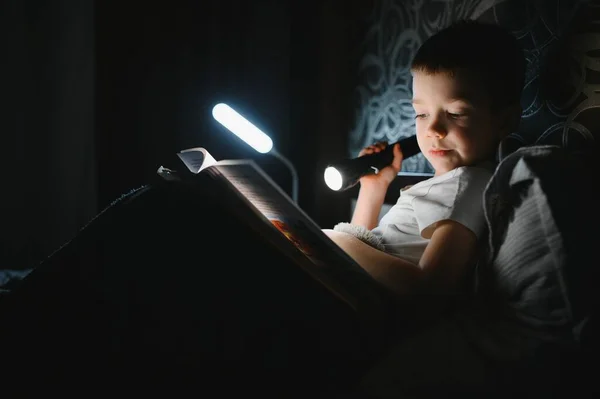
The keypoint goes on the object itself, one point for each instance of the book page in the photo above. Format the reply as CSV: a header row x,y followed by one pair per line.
x,y
275,205
196,159
286,223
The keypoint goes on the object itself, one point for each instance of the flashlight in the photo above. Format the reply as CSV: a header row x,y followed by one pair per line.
x,y
342,175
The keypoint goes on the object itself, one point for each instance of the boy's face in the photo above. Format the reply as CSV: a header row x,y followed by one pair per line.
x,y
454,120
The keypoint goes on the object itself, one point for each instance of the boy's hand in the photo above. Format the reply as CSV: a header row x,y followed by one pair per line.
x,y
373,187
385,175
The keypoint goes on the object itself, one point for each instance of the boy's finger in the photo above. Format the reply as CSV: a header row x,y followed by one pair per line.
x,y
398,156
398,150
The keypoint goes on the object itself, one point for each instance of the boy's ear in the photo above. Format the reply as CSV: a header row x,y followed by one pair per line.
x,y
509,119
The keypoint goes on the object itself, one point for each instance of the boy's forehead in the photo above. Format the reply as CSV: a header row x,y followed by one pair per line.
x,y
453,86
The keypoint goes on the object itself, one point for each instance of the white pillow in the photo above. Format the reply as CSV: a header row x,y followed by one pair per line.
x,y
531,274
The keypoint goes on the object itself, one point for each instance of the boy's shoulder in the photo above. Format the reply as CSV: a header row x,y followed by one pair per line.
x,y
474,175
485,170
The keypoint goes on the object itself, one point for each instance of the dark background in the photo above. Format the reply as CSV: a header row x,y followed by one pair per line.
x,y
96,95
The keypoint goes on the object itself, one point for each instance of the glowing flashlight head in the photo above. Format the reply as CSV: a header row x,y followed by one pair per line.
x,y
333,178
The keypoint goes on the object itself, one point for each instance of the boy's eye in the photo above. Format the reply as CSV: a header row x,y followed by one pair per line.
x,y
419,116
456,115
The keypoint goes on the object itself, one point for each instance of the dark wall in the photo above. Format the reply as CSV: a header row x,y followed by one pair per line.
x,y
46,126
98,94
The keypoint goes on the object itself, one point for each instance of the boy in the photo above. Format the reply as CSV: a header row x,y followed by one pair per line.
x,y
467,84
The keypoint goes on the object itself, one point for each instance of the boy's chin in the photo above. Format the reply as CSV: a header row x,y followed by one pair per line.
x,y
442,167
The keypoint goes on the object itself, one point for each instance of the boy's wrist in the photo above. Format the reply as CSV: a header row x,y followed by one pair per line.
x,y
375,184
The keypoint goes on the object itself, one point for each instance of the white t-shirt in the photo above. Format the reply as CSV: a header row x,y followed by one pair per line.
x,y
456,195
405,230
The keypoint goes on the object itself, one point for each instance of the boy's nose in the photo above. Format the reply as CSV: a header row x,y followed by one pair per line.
x,y
437,129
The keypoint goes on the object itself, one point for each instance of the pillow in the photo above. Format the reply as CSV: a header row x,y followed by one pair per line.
x,y
538,270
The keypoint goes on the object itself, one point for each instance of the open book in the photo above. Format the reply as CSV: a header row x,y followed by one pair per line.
x,y
259,201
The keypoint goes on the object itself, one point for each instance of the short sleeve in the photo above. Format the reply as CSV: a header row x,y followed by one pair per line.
x,y
458,198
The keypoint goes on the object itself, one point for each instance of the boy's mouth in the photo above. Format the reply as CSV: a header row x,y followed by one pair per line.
x,y
438,152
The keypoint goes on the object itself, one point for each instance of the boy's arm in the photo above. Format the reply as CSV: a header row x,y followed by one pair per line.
x,y
373,188
447,257
441,270
368,205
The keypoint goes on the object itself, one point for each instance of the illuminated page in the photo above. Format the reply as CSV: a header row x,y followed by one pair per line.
x,y
276,206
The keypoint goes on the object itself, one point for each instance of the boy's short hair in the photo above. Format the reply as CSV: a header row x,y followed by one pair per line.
x,y
484,49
